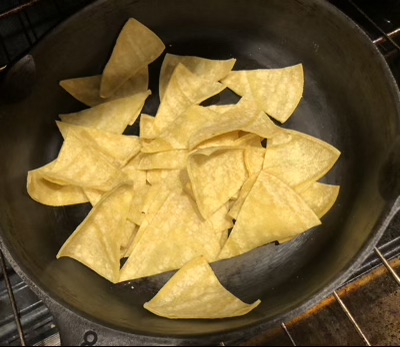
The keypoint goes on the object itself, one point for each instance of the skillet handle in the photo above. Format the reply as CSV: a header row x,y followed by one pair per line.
x,y
76,330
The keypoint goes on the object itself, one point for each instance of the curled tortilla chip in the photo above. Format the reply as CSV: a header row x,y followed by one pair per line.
x,y
136,47
49,193
245,116
194,292
184,90
82,165
96,241
119,148
113,116
209,69
87,89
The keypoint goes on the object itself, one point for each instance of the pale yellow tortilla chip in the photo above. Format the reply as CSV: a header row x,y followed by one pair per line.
x,y
113,116
128,234
227,139
194,292
254,159
136,47
119,148
171,239
48,193
133,173
176,135
94,195
248,140
184,90
96,241
220,219
175,179
137,214
87,89
175,159
320,197
271,211
221,108
147,127
80,164
298,159
244,191
276,91
245,116
224,234
210,69
216,174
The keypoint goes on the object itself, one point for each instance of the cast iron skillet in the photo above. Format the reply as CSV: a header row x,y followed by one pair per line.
x,y
350,101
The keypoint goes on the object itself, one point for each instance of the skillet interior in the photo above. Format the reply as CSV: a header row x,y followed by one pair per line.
x,y
350,101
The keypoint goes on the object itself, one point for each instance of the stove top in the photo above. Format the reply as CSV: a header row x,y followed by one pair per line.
x,y
365,310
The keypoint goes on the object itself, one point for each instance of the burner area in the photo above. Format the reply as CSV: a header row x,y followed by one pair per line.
x,y
365,310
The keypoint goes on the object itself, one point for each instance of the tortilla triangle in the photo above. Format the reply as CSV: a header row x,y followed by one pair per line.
x,y
194,292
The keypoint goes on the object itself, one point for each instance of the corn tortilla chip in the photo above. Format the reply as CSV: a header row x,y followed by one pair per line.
x,y
209,69
136,47
94,195
171,239
87,89
276,91
82,165
184,90
245,116
119,148
244,191
194,292
175,159
148,129
48,193
320,197
298,159
113,116
96,241
129,232
271,211
133,173
254,159
176,136
227,139
216,174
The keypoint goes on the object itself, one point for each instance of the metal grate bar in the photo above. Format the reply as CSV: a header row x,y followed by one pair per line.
x,y
383,39
351,318
12,300
386,263
285,329
31,27
25,30
4,49
376,26
18,9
